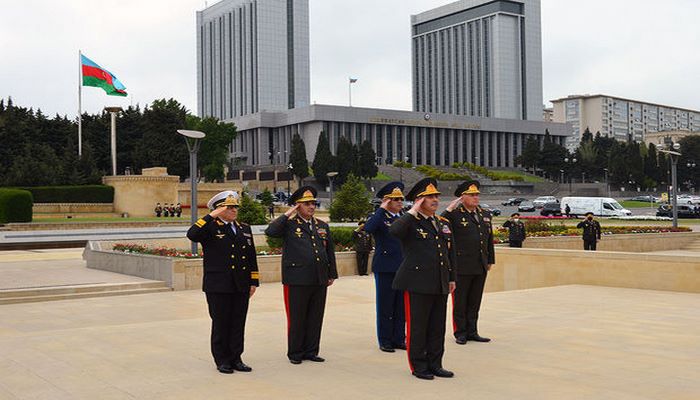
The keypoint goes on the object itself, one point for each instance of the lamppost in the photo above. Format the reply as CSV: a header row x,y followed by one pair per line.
x,y
330,176
674,154
289,175
691,164
607,186
561,177
113,137
193,142
569,164
405,160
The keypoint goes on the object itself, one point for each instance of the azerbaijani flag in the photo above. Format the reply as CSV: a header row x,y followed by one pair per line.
x,y
94,75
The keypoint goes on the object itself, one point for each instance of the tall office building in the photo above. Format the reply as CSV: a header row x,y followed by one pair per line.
x,y
479,58
624,119
252,56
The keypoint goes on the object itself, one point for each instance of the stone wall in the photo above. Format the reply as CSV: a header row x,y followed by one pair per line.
x,y
137,195
642,242
64,208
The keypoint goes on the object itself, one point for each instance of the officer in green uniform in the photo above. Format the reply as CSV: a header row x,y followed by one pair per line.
x,y
591,232
426,277
230,277
308,268
473,241
516,230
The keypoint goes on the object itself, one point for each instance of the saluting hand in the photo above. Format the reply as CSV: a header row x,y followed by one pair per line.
x,y
252,291
292,210
454,204
218,211
385,203
330,282
416,206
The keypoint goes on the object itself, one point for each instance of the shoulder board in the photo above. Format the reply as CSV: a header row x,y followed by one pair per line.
x,y
242,224
443,219
218,221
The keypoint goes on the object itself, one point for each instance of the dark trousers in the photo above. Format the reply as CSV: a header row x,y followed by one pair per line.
x,y
304,306
362,260
515,243
391,323
589,244
425,330
466,301
228,313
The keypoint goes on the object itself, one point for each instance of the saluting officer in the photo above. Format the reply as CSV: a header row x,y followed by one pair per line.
x,y
473,241
591,232
363,246
230,277
391,323
426,277
516,230
308,268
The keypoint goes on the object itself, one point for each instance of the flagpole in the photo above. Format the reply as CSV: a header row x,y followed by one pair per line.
x,y
80,98
349,92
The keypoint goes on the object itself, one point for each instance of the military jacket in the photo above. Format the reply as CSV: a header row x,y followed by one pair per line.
x,y
363,240
428,254
387,251
516,230
230,261
308,252
591,229
473,240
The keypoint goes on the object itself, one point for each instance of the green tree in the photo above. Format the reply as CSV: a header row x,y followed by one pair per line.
x,y
297,158
324,161
530,156
367,161
161,145
552,156
351,202
250,211
345,160
651,167
266,198
690,153
213,153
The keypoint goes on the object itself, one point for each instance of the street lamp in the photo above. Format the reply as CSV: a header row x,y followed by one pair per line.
x,y
113,137
607,186
561,177
405,160
691,164
569,164
674,154
289,175
193,142
330,176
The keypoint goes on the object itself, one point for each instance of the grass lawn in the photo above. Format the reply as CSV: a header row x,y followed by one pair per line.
x,y
77,220
382,177
526,177
638,204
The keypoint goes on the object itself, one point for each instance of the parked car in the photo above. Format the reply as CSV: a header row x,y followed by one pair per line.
x,y
688,199
494,211
647,199
513,201
603,206
542,200
281,196
550,209
526,206
684,211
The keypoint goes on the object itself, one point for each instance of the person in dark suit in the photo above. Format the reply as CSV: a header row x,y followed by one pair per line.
x,y
426,276
308,268
178,209
391,322
363,246
230,277
516,230
473,239
591,232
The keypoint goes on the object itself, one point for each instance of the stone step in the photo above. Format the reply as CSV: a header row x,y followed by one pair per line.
x,y
30,295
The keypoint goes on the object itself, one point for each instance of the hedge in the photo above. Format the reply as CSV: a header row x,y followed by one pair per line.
x,y
72,194
15,205
342,236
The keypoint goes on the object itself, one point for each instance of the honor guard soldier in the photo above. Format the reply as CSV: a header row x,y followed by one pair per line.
x,y
591,232
473,241
178,209
158,210
230,277
363,246
426,277
308,268
172,210
391,323
516,230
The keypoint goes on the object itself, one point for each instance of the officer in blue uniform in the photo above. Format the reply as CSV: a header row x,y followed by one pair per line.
x,y
391,330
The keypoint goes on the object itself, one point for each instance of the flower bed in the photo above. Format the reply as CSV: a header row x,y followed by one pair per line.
x,y
172,252
539,229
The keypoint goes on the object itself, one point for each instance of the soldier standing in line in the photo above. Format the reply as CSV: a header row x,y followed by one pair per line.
x,y
391,321
516,230
172,210
591,232
308,268
363,246
230,277
473,239
426,276
158,210
178,209
166,210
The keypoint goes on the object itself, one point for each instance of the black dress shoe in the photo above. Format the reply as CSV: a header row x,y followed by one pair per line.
x,y
461,340
477,338
225,369
401,346
386,349
294,361
315,358
443,373
240,366
423,375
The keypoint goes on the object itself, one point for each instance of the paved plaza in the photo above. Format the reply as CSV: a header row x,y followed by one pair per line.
x,y
567,342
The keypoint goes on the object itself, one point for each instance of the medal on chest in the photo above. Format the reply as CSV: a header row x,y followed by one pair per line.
x,y
422,233
298,232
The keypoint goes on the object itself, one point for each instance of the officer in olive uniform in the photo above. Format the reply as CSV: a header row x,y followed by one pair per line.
x,y
308,268
363,246
426,277
473,241
230,277
516,230
391,323
591,232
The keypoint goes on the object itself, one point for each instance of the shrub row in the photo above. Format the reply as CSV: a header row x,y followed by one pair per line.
x,y
441,175
493,175
342,236
15,205
72,194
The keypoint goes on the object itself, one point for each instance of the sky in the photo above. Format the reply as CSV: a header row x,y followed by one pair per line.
x,y
639,49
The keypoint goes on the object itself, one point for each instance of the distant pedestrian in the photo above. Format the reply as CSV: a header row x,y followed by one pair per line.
x,y
172,210
178,209
516,230
567,211
363,245
271,210
591,232
158,210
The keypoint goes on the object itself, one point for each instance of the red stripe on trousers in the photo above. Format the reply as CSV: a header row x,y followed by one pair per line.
x,y
407,309
286,306
454,322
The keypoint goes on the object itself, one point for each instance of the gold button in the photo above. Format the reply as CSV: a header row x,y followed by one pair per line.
x,y
438,246
244,268
313,237
318,259
243,257
233,267
233,256
436,237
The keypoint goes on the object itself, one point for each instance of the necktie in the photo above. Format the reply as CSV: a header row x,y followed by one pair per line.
x,y
435,225
233,228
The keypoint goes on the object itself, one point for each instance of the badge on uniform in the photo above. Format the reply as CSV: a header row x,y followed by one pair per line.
x,y
464,222
446,230
298,232
420,231
322,232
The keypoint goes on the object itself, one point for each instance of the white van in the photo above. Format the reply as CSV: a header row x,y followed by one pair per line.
x,y
601,206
